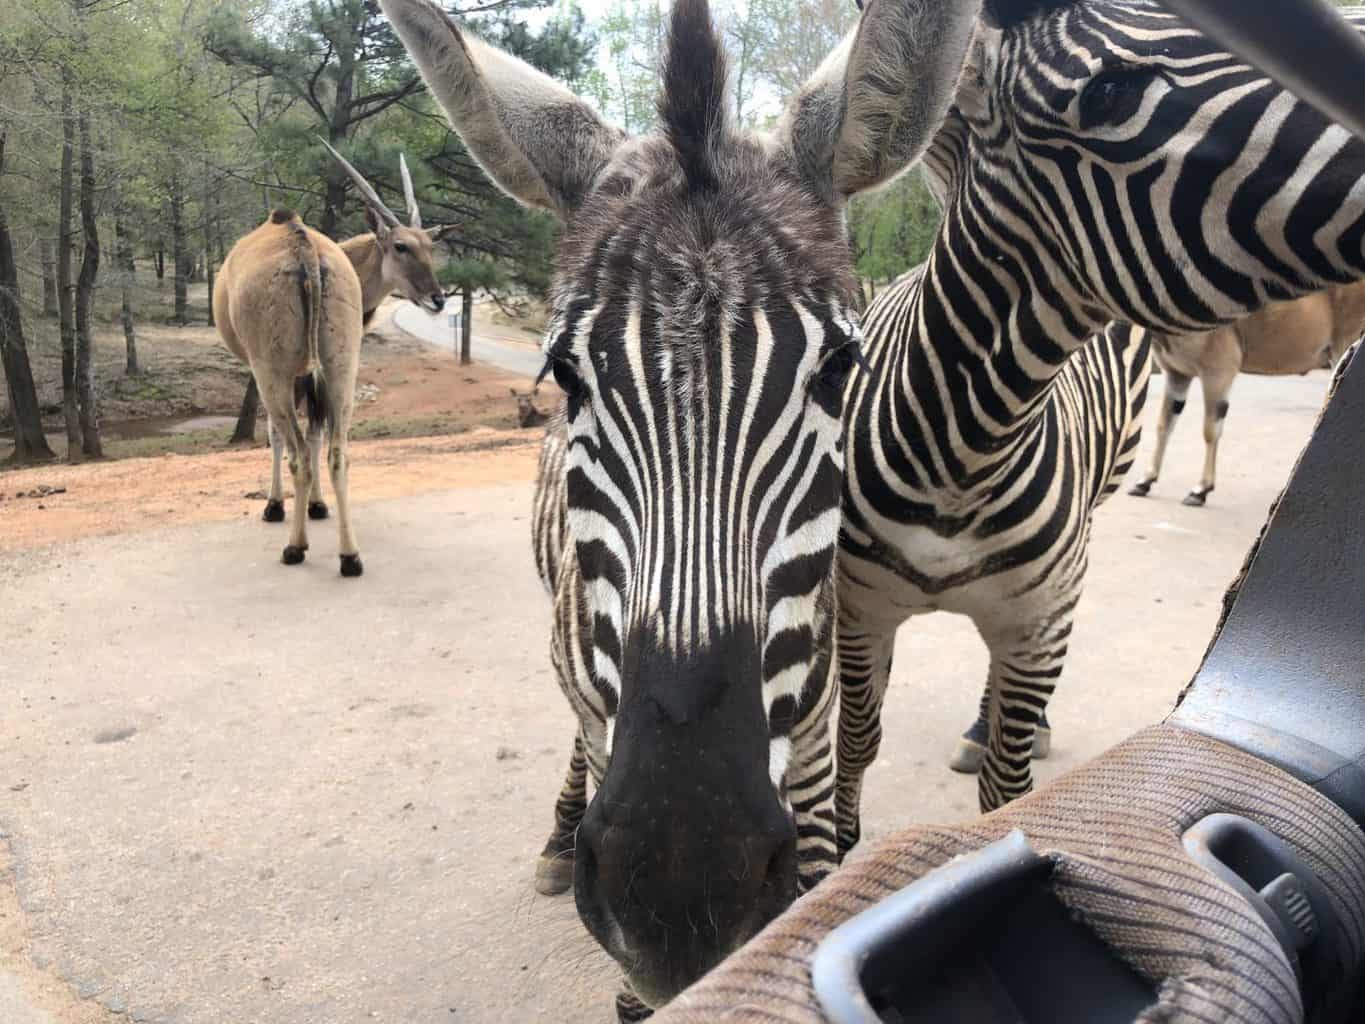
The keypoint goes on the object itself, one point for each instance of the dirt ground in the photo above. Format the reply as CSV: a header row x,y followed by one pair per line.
x,y
52,504
188,394
233,792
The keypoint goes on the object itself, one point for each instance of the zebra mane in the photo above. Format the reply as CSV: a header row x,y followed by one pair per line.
x,y
692,105
1007,13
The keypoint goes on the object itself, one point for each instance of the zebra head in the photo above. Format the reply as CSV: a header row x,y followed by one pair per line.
x,y
701,331
1118,164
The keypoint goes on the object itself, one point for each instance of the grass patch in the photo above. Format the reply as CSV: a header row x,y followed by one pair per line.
x,y
195,442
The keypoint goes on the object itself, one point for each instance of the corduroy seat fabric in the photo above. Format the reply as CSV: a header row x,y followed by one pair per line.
x,y
1113,829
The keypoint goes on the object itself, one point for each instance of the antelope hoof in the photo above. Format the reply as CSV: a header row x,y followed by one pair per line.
x,y
1042,743
1196,499
554,874
1141,489
293,554
274,511
351,566
317,510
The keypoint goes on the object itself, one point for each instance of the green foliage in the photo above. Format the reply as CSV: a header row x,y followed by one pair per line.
x,y
215,105
893,229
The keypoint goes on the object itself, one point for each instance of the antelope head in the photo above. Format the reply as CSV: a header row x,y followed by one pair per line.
x,y
406,250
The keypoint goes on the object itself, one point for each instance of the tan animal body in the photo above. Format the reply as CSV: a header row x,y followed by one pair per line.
x,y
1286,338
392,258
289,305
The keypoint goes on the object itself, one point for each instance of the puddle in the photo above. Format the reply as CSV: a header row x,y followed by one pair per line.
x,y
165,426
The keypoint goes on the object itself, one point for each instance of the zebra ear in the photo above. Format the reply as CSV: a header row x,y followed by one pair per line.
x,y
538,141
874,104
978,72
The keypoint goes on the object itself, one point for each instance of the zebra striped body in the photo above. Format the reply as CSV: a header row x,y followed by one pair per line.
x,y
1008,550
700,337
1103,162
687,511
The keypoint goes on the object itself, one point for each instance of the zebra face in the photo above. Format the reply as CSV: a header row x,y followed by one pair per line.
x,y
704,360
701,337
1156,178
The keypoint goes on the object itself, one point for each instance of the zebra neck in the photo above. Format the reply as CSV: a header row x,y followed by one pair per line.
x,y
993,326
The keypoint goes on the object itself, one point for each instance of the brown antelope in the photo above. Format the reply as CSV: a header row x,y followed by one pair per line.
x,y
390,258
289,304
1287,338
393,257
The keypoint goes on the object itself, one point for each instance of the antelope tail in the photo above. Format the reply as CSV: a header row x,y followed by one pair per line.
x,y
310,285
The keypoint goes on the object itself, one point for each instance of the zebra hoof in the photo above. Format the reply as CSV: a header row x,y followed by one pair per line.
x,y
317,510
1196,499
1042,743
554,875
1141,490
351,566
967,757
293,554
630,1010
274,512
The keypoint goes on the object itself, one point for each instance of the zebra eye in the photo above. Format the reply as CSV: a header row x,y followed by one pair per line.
x,y
1114,95
834,371
566,377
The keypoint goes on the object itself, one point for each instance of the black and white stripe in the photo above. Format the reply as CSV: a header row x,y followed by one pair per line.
x,y
1102,162
700,334
700,489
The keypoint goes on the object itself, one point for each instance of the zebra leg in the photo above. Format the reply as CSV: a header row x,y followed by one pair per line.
x,y
864,668
554,870
1042,738
971,745
1024,674
1172,405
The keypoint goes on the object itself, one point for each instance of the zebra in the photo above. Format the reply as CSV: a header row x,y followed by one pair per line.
x,y
701,330
1102,162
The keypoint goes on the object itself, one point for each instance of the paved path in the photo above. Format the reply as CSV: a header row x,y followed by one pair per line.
x,y
236,793
506,353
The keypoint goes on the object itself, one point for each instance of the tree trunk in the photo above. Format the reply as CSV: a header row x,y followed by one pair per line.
x,y
30,445
208,267
159,262
466,324
85,294
49,264
123,259
208,240
178,254
66,291
336,131
245,431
